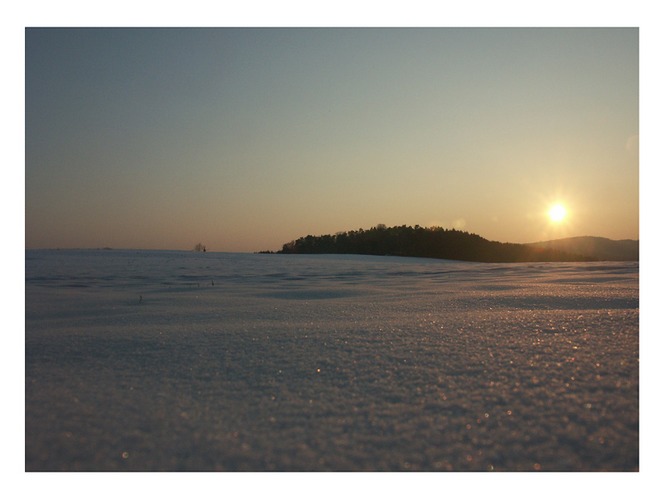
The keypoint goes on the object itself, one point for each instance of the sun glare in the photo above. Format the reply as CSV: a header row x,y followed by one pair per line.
x,y
557,213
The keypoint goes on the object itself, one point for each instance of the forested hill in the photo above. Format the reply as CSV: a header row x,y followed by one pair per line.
x,y
432,242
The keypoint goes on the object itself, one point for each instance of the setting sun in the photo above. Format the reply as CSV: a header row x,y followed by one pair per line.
x,y
557,213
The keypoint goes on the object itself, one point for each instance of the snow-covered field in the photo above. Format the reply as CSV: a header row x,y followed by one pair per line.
x,y
139,360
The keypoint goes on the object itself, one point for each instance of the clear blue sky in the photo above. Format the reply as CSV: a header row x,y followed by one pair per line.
x,y
245,139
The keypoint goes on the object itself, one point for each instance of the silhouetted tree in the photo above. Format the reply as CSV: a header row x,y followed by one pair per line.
x,y
432,242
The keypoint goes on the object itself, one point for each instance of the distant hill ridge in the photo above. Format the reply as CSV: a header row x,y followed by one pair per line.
x,y
600,248
439,243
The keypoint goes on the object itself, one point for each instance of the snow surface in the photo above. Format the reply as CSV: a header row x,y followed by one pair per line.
x,y
170,361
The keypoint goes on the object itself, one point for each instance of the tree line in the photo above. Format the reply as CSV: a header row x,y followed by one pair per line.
x,y
430,242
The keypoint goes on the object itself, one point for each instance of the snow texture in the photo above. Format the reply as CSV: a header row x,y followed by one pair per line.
x,y
183,361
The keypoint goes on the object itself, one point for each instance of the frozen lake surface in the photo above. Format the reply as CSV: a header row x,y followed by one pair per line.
x,y
157,360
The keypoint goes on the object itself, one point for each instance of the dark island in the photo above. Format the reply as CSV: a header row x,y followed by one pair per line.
x,y
439,243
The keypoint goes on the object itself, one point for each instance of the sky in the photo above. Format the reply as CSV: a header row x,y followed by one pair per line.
x,y
245,139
